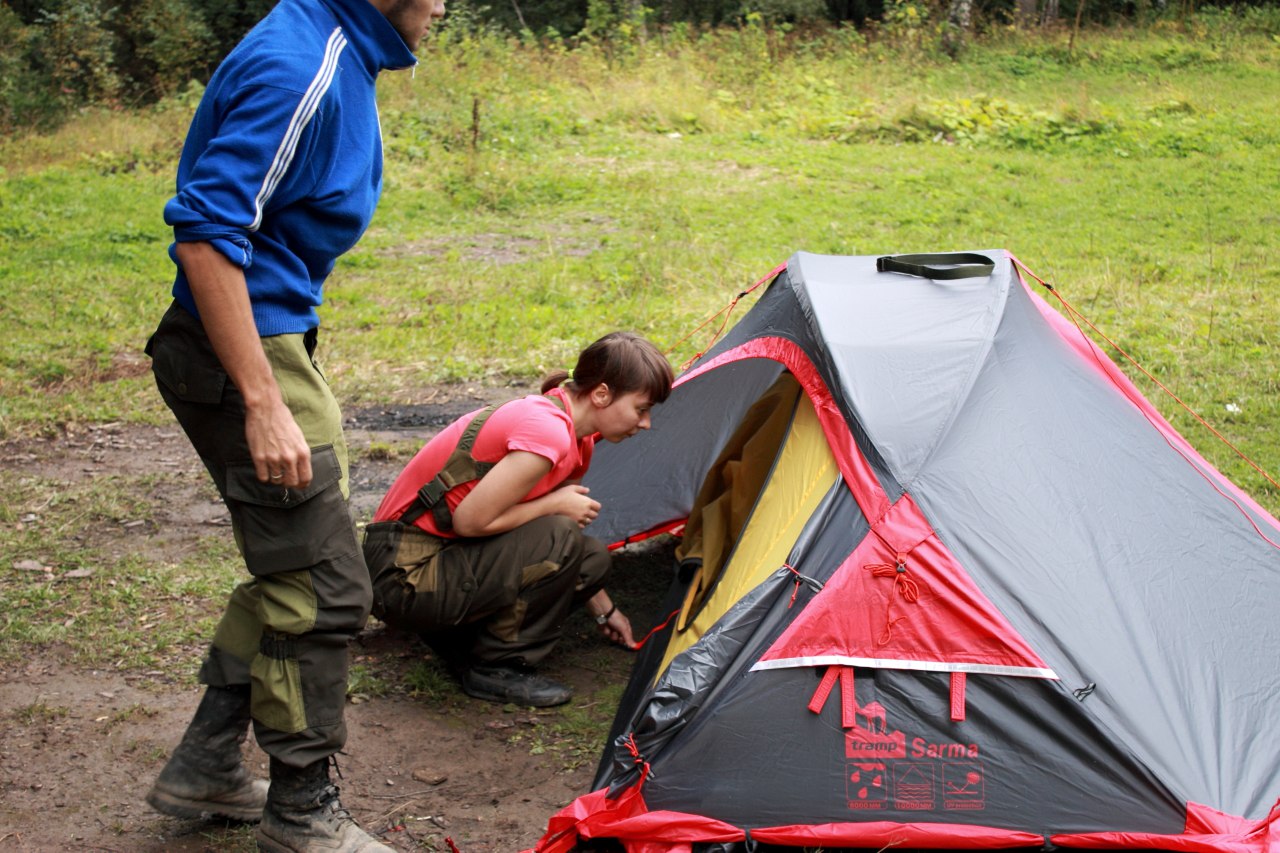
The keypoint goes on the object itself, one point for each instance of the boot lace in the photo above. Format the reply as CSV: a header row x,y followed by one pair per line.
x,y
328,798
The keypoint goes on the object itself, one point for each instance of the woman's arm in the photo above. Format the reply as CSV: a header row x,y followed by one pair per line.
x,y
494,505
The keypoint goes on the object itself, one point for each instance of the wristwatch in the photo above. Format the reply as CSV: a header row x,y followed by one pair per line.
x,y
603,618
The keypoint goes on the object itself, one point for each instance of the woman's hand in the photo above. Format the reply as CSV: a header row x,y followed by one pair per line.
x,y
616,626
572,502
618,629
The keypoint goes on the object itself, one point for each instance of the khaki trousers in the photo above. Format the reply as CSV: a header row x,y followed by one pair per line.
x,y
285,631
491,600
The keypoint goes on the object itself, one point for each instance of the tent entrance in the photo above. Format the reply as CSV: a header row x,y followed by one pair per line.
x,y
753,505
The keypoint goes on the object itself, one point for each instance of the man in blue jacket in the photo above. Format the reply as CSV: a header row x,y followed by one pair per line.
x,y
280,174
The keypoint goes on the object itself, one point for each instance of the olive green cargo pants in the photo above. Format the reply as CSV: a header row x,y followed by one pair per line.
x,y
285,631
491,600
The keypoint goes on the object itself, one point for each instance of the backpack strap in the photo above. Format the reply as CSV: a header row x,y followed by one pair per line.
x,y
967,265
460,467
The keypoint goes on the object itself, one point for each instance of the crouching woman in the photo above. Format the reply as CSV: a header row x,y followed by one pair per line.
x,y
478,545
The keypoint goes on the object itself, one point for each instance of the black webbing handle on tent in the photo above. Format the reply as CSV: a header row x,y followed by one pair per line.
x,y
970,265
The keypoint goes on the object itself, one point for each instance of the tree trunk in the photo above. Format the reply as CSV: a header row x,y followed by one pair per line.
x,y
1026,13
960,14
956,30
635,14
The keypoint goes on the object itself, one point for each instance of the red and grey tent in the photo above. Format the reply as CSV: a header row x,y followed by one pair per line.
x,y
946,581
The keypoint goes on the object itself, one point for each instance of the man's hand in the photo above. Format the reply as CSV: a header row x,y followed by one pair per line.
x,y
279,450
281,455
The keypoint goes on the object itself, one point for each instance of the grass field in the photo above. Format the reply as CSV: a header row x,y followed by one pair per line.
x,y
538,195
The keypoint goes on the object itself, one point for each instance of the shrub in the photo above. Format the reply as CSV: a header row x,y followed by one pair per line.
x,y
161,43
25,96
77,49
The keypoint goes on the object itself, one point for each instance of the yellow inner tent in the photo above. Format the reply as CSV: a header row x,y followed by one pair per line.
x,y
752,507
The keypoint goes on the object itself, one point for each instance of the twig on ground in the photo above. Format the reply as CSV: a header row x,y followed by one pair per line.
x,y
398,796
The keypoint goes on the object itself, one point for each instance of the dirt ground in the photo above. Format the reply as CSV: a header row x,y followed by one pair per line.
x,y
423,773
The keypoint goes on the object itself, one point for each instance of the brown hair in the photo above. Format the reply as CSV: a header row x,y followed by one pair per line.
x,y
624,361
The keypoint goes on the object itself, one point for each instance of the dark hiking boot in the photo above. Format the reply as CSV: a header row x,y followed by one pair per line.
x,y
205,774
303,814
517,684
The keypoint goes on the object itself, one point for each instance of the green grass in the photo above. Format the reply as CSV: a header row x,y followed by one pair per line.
x,y
538,195
87,594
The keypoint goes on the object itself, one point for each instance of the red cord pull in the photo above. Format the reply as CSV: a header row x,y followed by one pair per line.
x,y
903,584
637,758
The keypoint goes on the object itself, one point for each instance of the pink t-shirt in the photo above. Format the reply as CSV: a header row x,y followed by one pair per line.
x,y
534,424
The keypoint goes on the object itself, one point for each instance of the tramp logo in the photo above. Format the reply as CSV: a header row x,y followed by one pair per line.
x,y
883,771
874,742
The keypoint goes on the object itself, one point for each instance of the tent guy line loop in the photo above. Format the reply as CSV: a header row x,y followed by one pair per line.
x,y
655,629
645,770
812,583
1077,317
727,311
1083,693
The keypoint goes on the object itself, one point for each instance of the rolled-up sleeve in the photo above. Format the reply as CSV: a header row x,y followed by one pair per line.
x,y
226,189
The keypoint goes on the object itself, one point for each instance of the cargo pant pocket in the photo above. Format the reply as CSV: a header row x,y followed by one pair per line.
x,y
280,529
186,369
505,624
443,593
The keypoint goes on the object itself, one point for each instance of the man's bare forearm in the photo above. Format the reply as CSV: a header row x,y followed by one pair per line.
x,y
278,448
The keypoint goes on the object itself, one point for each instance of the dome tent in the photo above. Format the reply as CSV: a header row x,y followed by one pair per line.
x,y
947,580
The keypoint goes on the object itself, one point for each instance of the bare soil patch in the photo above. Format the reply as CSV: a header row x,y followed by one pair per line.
x,y
79,748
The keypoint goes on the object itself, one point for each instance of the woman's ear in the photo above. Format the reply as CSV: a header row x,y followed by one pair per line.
x,y
601,396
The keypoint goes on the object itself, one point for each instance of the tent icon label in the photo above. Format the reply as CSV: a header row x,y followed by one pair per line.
x,y
913,787
962,786
867,785
883,772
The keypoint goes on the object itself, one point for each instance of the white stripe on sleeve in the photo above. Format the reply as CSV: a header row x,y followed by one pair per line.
x,y
301,117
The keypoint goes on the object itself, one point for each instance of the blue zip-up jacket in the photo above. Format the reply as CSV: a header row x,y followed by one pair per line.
x,y
282,166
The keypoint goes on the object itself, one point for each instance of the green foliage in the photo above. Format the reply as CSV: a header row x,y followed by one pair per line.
x,y
906,22
365,682
24,93
429,680
227,22
988,120
162,42
62,55
76,50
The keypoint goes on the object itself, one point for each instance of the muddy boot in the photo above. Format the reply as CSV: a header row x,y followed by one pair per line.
x,y
303,814
205,774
